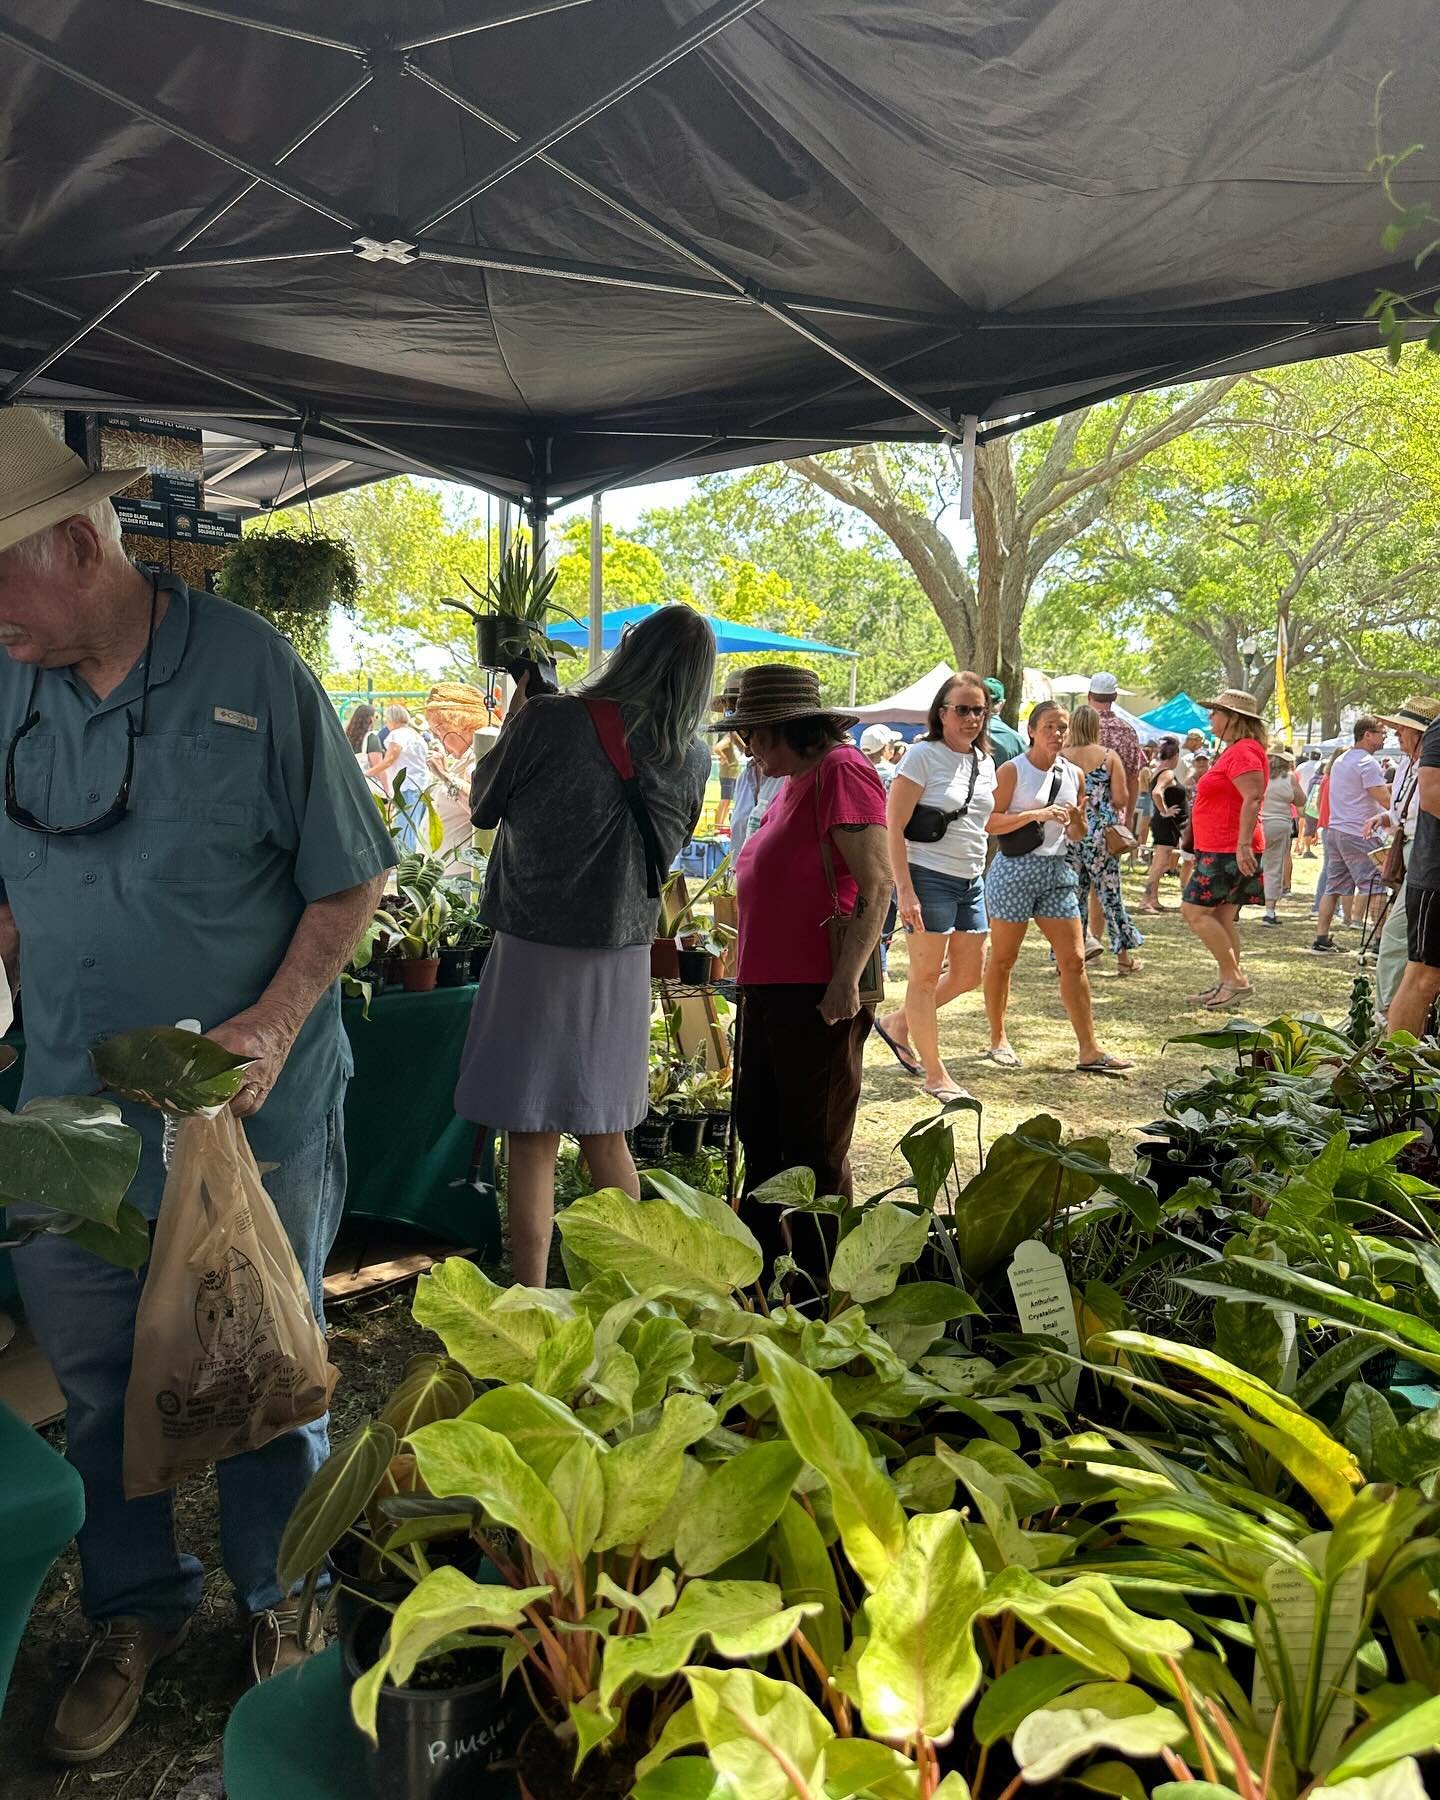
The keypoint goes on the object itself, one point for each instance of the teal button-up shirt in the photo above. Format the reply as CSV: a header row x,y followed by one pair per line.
x,y
246,804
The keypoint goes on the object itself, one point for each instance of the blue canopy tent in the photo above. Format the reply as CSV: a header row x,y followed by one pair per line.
x,y
730,639
1179,715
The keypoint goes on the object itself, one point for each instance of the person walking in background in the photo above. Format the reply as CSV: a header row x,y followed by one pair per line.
x,y
1410,721
876,742
1225,823
364,740
1004,740
1411,1007
1283,795
1096,865
728,756
940,800
1121,737
800,1038
1194,745
559,1038
1359,800
406,758
1039,803
1144,807
1308,774
1171,805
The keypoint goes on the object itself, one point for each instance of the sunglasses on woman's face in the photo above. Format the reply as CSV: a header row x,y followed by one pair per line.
x,y
964,712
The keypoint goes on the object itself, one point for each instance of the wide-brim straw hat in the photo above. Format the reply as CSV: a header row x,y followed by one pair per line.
x,y
772,693
43,482
1415,712
1235,700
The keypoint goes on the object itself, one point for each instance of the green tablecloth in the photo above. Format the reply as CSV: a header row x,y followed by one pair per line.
x,y
410,1159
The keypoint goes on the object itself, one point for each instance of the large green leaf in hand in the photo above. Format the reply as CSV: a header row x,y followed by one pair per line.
x,y
176,1071
71,1154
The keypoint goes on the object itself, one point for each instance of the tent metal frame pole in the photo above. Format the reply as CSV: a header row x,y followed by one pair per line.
x,y
260,21
440,471
166,263
597,578
708,25
211,215
236,464
514,15
153,114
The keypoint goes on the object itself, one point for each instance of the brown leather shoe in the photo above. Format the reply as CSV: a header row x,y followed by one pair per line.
x,y
101,1701
275,1640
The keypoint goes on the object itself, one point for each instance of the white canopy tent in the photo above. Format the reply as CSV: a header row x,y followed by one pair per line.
x,y
912,704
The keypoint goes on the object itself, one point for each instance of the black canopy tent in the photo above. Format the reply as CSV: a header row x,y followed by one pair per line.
x,y
551,246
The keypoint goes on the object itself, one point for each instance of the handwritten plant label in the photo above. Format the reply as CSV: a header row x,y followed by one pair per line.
x,y
1044,1302
1293,1598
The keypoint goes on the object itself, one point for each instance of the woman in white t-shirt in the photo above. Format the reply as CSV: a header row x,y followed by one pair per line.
x,y
940,798
407,755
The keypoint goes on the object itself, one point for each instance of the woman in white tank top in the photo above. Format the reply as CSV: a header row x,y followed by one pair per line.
x,y
1039,796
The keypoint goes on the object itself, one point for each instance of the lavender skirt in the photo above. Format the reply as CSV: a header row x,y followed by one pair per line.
x,y
559,1039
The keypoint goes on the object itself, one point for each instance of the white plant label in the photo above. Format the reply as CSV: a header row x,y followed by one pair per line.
x,y
1292,1598
1044,1302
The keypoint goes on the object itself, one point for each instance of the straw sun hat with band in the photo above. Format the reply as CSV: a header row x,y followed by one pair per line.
x,y
1234,700
1417,712
43,482
775,693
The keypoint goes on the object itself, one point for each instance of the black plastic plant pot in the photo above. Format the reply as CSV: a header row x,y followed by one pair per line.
x,y
477,958
651,1139
358,1594
499,639
454,968
687,1134
437,1742
695,967
717,1129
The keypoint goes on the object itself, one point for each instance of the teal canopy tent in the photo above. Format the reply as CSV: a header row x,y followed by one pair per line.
x,y
1179,715
730,639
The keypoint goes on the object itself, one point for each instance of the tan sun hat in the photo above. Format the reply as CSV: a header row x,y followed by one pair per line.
x,y
771,693
1415,712
1234,700
43,482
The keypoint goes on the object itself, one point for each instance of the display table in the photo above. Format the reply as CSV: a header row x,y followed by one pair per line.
x,y
42,1506
410,1159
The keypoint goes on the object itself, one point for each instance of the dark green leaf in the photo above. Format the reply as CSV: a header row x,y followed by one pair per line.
x,y
176,1071
71,1154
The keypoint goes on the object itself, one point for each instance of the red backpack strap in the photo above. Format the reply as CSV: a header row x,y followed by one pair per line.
x,y
609,723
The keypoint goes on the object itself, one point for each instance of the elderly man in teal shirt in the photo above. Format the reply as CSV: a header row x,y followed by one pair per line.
x,y
186,834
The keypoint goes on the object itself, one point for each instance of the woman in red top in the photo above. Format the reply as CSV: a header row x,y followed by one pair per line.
x,y
1224,819
802,1028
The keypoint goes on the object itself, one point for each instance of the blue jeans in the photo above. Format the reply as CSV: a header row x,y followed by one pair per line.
x,y
82,1312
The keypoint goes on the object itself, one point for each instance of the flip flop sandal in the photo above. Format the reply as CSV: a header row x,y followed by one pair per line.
x,y
1224,998
1204,996
1107,1065
1003,1057
946,1094
906,1061
1133,967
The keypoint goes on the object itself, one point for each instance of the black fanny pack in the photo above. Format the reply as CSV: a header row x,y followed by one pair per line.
x,y
1028,839
928,824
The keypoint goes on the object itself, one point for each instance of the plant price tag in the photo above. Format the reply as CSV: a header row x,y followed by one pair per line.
x,y
1044,1302
1293,1601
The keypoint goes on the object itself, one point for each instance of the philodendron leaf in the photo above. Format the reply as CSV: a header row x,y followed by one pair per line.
x,y
126,1243
869,1260
756,1731
1016,1192
539,1428
921,1303
1084,1618
740,1618
920,1666
681,1778
176,1071
658,1248
563,1360
1400,1781
1143,1201
929,1148
806,1574
868,1512
495,1333
336,1495
1413,1733
72,1154
593,1725
442,1604
641,1475
740,1501
1021,1690
856,1769
457,1456
1100,1716
709,1208
432,1389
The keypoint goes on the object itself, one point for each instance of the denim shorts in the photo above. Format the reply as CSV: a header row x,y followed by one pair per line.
x,y
1021,888
949,902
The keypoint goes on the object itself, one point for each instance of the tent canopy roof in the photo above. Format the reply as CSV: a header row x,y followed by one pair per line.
x,y
549,246
730,639
1179,715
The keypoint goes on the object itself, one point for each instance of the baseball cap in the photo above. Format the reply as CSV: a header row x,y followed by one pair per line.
x,y
1105,685
995,689
878,737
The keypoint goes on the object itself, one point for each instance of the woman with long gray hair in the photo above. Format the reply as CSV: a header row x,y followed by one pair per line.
x,y
559,1038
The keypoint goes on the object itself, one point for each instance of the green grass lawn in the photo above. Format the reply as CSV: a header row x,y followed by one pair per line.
x,y
1134,1016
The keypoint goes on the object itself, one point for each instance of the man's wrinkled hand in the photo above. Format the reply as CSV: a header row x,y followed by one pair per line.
x,y
261,1037
841,1000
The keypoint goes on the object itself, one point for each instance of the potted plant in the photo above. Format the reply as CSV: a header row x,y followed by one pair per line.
x,y
461,936
510,621
686,1113
293,579
709,1090
417,932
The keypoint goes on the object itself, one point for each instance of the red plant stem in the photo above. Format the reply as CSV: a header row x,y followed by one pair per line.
x,y
1013,1789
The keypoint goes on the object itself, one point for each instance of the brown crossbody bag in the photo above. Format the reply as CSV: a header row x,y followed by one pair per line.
x,y
872,976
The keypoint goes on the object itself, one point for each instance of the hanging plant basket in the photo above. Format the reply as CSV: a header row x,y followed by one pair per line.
x,y
293,580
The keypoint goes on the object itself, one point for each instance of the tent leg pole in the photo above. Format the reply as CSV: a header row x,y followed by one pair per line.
x,y
854,665
597,578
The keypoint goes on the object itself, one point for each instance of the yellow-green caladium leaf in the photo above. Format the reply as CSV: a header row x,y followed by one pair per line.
x,y
72,1154
1083,1618
868,1513
657,1247
740,1501
494,1333
920,1667
756,1731
334,1498
856,1769
457,1456
539,1428
869,1260
708,1207
176,1071
740,1618
564,1360
1101,1716
642,1475
442,1604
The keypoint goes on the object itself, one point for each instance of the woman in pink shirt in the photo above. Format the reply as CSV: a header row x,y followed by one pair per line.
x,y
802,1028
